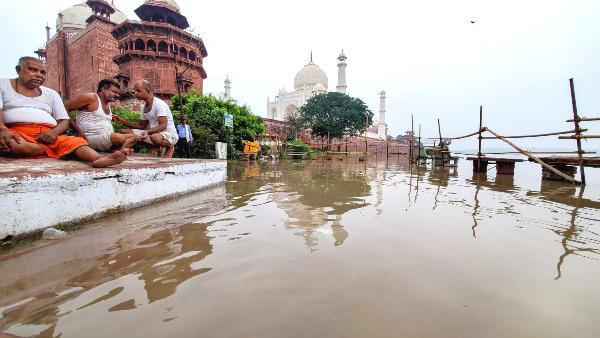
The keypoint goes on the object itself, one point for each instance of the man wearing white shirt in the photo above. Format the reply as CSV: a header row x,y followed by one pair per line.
x,y
156,125
33,120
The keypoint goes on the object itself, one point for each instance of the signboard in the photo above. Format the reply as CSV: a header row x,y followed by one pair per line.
x,y
228,120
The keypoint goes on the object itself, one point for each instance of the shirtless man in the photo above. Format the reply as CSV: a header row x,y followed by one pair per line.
x,y
94,118
33,118
157,116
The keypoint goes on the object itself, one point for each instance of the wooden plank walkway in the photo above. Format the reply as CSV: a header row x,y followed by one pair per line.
x,y
593,162
505,166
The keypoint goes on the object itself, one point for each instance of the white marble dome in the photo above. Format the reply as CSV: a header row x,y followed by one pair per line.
x,y
170,4
319,88
310,75
74,17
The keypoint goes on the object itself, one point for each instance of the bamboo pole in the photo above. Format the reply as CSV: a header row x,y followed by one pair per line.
x,y
419,144
536,159
584,119
532,152
366,131
578,137
577,130
479,137
412,137
537,135
439,131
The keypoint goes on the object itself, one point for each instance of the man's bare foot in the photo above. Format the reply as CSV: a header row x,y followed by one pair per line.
x,y
109,160
153,152
127,151
169,152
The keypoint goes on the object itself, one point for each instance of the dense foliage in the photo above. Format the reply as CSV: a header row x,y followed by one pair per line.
x,y
297,146
296,124
205,116
127,115
334,115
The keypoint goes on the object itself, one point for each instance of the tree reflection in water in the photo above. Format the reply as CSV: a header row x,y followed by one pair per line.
x,y
312,193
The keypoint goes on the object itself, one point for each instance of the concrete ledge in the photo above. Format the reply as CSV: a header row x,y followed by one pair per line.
x,y
41,193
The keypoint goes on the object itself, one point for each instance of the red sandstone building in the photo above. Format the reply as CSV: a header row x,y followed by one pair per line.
x,y
94,41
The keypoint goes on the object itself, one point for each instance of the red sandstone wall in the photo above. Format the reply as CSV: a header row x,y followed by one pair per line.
x,y
55,65
161,74
90,58
107,48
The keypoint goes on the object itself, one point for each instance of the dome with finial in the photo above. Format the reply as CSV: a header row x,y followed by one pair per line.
x,y
75,16
309,76
170,4
163,11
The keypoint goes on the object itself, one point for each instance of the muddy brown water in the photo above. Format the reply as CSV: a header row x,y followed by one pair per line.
x,y
325,249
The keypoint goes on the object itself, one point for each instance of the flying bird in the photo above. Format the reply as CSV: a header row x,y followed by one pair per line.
x,y
472,21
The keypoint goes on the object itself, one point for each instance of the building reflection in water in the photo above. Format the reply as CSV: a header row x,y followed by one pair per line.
x,y
161,260
313,194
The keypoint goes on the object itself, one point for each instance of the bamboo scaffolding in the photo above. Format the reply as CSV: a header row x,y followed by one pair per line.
x,y
578,130
479,137
439,131
536,159
532,152
536,135
584,119
578,137
412,137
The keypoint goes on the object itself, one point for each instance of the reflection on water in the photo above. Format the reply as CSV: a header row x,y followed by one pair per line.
x,y
323,249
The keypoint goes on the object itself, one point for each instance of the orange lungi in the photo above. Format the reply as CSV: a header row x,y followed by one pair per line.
x,y
61,147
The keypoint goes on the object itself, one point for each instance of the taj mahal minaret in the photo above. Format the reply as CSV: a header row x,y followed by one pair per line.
x,y
227,95
341,87
381,127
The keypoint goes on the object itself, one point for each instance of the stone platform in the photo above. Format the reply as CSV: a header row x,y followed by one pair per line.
x,y
39,193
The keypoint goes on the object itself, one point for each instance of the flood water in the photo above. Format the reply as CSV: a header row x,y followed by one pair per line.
x,y
325,249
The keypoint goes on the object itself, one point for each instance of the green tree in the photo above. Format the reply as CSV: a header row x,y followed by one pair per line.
x,y
335,115
296,122
205,117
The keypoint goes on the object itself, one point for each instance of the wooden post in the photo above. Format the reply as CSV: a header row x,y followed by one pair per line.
x,y
412,137
419,145
366,130
480,126
577,131
440,131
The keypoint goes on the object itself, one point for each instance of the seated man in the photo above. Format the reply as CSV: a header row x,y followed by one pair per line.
x,y
33,117
94,118
157,116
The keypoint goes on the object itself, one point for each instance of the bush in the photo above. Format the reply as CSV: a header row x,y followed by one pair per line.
x,y
297,146
205,118
126,114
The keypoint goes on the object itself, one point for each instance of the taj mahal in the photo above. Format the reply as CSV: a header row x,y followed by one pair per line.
x,y
311,80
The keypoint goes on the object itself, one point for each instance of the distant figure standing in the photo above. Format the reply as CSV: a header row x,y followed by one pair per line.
x,y
93,121
184,145
156,116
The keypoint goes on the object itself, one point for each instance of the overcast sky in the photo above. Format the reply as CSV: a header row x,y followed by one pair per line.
x,y
432,62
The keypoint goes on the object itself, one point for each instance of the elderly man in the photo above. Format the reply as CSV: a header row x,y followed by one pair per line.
x,y
94,118
156,115
33,118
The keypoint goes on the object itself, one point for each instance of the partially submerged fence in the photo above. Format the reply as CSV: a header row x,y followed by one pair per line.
x,y
577,134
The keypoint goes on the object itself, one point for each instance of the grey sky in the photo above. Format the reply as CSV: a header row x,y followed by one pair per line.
x,y
515,60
